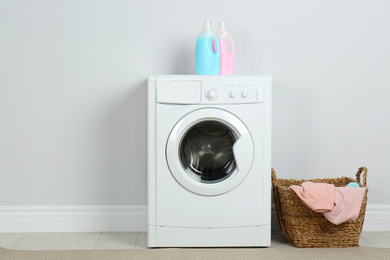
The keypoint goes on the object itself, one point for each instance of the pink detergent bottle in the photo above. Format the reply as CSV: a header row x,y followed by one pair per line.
x,y
226,46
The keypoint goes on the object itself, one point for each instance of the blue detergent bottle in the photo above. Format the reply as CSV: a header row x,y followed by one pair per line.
x,y
206,59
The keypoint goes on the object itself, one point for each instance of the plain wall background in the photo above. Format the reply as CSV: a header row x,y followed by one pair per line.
x,y
73,89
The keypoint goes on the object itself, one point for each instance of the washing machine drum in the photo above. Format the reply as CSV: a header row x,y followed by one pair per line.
x,y
209,152
206,151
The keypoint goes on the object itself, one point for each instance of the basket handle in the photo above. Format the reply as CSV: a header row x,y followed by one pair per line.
x,y
359,172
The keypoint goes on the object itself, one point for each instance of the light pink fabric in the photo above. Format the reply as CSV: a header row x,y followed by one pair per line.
x,y
318,196
347,204
338,204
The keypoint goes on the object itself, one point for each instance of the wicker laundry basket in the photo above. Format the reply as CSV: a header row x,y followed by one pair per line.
x,y
305,228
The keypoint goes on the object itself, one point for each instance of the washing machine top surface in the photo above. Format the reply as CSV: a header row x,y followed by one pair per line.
x,y
208,90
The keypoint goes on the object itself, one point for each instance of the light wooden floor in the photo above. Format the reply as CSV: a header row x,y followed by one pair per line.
x,y
132,240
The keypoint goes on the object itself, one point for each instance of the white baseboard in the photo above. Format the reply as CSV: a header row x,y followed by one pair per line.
x,y
377,218
122,218
74,218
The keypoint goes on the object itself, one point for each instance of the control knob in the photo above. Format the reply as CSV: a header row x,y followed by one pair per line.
x,y
212,94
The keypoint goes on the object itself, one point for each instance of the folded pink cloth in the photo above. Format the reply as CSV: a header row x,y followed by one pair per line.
x,y
338,204
347,204
318,196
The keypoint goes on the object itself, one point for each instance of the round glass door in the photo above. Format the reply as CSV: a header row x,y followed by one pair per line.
x,y
206,152
209,151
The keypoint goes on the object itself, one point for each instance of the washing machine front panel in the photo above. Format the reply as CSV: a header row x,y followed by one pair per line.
x,y
242,206
209,151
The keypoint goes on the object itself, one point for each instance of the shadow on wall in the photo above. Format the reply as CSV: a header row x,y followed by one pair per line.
x,y
184,63
291,116
123,155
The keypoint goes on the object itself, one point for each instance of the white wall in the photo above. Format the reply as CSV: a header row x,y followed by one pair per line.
x,y
73,89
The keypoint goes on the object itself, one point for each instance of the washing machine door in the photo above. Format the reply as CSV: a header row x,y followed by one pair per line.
x,y
210,151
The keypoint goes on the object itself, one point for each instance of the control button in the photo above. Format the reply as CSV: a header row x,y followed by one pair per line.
x,y
244,94
232,94
212,94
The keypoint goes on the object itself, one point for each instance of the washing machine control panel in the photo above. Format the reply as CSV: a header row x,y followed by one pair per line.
x,y
232,92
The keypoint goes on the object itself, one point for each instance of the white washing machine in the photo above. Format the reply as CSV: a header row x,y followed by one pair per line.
x,y
209,161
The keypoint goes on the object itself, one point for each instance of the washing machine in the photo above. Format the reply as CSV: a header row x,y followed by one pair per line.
x,y
209,161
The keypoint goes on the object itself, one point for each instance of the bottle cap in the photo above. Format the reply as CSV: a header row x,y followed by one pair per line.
x,y
206,25
221,26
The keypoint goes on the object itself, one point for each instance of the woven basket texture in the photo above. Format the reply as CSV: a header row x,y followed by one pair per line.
x,y
304,227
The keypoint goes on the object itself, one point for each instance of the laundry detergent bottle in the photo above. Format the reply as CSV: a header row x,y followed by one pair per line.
x,y
206,59
226,53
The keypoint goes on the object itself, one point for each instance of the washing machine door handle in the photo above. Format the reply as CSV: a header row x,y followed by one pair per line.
x,y
243,152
